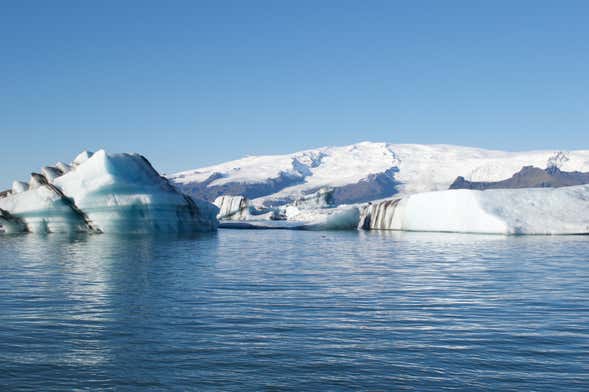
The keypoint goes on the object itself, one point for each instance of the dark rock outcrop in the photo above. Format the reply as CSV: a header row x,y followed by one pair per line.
x,y
528,177
375,186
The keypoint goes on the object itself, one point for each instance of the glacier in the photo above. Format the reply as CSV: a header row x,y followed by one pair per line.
x,y
498,211
364,171
102,193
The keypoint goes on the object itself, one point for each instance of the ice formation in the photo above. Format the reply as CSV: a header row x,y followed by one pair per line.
x,y
338,218
500,211
311,212
316,211
344,217
100,192
232,207
323,198
239,208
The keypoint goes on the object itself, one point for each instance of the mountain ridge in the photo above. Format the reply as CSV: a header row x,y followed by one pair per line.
x,y
364,171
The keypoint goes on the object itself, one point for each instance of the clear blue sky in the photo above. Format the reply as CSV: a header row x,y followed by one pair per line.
x,y
190,83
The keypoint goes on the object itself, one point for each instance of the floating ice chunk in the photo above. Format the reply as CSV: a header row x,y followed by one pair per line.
x,y
239,208
343,217
232,207
500,211
19,186
323,198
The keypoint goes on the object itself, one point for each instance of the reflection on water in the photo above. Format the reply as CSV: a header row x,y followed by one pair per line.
x,y
295,310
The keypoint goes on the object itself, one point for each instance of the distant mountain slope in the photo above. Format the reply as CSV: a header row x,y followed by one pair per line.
x,y
364,171
528,177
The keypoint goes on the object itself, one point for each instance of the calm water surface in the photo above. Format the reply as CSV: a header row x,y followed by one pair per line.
x,y
292,310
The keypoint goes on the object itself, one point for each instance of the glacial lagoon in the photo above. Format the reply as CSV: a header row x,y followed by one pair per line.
x,y
294,310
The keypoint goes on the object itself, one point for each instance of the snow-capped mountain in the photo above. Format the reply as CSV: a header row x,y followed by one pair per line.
x,y
364,171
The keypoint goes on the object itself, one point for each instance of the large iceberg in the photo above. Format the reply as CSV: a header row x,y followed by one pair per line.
x,y
100,192
502,211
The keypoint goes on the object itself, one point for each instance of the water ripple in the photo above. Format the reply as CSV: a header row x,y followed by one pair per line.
x,y
292,310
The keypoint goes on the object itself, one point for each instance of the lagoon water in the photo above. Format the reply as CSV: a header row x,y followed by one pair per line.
x,y
294,310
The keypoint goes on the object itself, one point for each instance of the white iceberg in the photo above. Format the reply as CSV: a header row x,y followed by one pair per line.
x,y
232,207
344,217
502,211
239,208
311,212
338,218
323,198
111,193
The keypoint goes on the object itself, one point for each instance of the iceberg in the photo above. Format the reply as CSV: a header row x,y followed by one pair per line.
x,y
310,212
323,198
339,218
103,193
239,208
501,211
316,211
344,217
232,207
